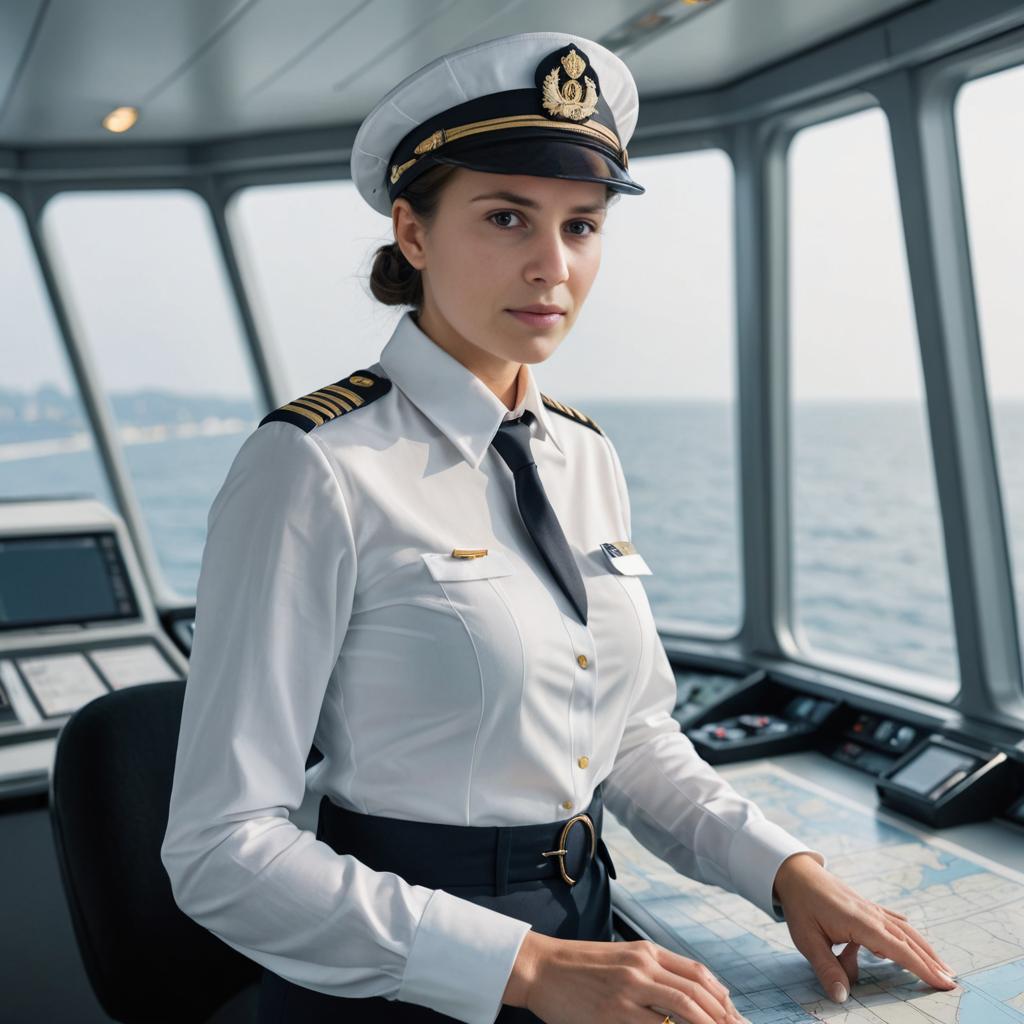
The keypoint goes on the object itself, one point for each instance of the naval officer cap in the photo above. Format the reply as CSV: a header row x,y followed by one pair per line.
x,y
543,103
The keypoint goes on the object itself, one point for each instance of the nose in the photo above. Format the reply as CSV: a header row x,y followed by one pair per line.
x,y
548,261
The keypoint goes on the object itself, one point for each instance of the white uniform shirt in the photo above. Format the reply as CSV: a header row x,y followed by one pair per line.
x,y
465,691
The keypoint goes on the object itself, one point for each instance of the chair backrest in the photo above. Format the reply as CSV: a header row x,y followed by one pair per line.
x,y
110,789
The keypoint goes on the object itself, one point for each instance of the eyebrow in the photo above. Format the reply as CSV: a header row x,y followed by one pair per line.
x,y
511,197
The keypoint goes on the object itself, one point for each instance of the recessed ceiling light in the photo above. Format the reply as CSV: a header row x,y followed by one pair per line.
x,y
121,119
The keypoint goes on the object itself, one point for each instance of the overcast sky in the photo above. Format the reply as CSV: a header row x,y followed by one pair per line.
x,y
149,295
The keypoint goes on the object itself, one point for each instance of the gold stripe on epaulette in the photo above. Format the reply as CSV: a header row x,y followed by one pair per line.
x,y
324,410
324,395
331,401
335,404
292,407
570,413
345,393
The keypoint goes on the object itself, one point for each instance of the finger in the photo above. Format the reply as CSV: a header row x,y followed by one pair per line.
x,y
675,1018
883,942
830,971
893,913
680,1008
918,942
683,967
658,1016
848,961
716,1009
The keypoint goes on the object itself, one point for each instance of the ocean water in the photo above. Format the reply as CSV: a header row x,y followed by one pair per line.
x,y
869,572
868,567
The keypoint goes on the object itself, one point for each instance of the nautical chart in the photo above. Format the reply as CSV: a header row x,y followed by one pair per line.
x,y
970,909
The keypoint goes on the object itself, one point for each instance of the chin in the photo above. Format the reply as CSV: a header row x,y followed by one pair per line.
x,y
538,349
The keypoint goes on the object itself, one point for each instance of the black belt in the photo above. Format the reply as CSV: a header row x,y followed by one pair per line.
x,y
444,856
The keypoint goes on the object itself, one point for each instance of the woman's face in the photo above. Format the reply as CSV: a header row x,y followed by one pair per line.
x,y
502,242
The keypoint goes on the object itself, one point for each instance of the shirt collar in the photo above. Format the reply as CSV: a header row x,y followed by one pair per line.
x,y
452,397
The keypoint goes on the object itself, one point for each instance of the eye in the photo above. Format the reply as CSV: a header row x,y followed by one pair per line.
x,y
502,213
511,213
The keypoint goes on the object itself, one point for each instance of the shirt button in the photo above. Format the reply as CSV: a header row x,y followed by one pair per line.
x,y
583,761
582,661
567,804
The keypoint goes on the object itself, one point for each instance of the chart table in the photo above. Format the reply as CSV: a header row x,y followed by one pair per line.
x,y
969,908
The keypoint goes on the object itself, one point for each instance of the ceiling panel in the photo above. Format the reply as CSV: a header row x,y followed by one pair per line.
x,y
201,70
730,40
16,25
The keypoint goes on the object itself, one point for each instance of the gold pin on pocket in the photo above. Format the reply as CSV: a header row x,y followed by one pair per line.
x,y
469,552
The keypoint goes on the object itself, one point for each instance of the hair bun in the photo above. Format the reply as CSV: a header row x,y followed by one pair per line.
x,y
393,279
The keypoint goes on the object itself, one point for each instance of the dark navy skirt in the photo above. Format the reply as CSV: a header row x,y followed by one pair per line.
x,y
501,867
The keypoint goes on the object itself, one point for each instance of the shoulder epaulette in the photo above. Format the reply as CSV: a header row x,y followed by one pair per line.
x,y
331,401
569,412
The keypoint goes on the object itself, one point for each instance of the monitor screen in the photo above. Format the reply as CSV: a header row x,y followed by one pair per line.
x,y
933,765
63,579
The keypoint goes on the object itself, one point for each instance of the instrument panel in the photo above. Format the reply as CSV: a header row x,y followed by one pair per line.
x,y
76,622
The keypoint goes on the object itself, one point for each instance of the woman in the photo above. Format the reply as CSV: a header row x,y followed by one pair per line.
x,y
424,569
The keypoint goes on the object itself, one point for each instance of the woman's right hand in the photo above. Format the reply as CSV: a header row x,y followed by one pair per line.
x,y
570,981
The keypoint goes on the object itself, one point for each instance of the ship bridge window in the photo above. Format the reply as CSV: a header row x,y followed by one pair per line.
x,y
305,251
652,359
46,442
990,133
870,588
147,290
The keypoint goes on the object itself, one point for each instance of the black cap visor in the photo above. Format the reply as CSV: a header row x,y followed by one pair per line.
x,y
545,157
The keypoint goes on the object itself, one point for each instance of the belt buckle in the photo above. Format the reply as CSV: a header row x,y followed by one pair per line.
x,y
562,851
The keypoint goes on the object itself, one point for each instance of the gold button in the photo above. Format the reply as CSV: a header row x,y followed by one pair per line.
x,y
567,804
583,761
582,661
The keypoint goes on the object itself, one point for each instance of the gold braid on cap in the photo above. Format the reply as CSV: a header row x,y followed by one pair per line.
x,y
566,101
437,139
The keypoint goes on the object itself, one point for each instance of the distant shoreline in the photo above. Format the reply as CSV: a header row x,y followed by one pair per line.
x,y
127,435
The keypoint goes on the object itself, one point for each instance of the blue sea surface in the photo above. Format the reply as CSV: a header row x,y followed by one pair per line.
x,y
869,573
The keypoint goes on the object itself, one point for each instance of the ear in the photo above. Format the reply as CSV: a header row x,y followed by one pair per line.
x,y
408,232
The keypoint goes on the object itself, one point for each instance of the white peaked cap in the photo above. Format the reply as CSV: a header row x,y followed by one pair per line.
x,y
547,103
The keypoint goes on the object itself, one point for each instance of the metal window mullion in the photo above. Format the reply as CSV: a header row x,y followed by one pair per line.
x,y
966,473
761,388
267,367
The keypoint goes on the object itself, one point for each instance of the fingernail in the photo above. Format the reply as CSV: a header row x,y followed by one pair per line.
x,y
839,992
946,977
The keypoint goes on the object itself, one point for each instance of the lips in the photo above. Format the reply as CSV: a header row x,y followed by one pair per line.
x,y
538,308
537,320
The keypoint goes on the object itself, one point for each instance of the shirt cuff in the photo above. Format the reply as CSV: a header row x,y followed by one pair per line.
x,y
756,853
461,958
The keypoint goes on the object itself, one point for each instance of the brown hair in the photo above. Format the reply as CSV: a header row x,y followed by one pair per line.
x,y
393,279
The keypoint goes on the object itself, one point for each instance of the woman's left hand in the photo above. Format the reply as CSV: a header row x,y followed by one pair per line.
x,y
821,911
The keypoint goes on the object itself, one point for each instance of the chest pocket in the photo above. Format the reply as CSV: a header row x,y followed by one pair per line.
x,y
478,638
442,566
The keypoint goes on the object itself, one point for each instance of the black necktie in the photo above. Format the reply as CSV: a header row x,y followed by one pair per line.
x,y
512,442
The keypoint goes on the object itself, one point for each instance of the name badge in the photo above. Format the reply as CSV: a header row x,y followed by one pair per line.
x,y
624,558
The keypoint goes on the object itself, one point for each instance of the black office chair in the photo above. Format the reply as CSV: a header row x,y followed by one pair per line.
x,y
110,790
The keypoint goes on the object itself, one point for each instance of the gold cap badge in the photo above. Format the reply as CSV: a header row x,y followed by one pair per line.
x,y
569,98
